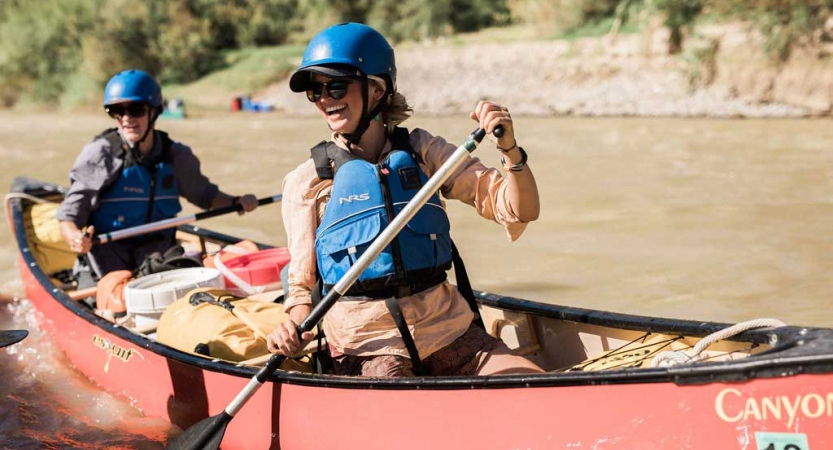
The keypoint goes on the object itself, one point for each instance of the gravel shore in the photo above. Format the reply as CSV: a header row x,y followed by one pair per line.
x,y
628,75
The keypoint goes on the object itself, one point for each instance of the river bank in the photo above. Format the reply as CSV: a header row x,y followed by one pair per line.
x,y
722,72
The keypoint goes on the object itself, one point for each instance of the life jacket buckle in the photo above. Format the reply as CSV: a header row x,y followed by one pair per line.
x,y
403,291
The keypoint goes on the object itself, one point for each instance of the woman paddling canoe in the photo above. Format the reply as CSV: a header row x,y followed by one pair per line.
x,y
402,317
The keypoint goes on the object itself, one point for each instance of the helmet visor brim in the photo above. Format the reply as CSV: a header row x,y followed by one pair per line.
x,y
302,78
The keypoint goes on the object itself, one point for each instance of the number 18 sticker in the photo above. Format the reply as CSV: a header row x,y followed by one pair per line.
x,y
781,441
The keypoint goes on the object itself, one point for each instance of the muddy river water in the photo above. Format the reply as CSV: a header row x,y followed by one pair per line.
x,y
723,220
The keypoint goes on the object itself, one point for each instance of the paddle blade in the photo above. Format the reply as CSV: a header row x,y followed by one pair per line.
x,y
206,434
9,337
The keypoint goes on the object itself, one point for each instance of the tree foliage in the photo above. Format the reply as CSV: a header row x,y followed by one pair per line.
x,y
678,15
50,47
783,23
39,46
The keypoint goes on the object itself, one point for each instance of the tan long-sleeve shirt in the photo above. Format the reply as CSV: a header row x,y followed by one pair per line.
x,y
437,316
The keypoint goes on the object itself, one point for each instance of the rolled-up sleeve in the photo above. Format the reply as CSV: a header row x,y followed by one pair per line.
x,y
473,183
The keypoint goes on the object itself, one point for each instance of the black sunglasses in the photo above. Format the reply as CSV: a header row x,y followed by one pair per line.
x,y
134,110
337,89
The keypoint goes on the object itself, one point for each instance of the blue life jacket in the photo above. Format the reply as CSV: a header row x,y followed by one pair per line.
x,y
365,198
139,195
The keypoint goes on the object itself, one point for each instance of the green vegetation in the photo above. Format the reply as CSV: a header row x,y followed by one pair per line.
x,y
243,71
61,52
784,24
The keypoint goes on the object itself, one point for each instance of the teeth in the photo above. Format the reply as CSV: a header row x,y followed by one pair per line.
x,y
335,108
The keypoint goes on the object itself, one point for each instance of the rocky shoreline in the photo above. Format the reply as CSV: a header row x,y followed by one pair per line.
x,y
625,75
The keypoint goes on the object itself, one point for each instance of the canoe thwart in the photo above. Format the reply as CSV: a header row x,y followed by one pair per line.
x,y
82,293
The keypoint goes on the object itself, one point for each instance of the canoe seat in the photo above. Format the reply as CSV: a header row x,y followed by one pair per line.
x,y
514,329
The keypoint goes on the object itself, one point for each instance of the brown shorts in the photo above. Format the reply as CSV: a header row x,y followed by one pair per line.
x,y
462,357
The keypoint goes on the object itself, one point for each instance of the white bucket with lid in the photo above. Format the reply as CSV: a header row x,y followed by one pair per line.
x,y
147,297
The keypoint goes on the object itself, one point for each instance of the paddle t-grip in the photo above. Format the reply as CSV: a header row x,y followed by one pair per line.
x,y
499,130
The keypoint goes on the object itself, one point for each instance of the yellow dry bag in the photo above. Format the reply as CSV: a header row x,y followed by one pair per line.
x,y
232,328
44,233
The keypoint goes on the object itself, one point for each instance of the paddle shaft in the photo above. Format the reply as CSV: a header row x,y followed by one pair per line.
x,y
208,433
343,285
176,221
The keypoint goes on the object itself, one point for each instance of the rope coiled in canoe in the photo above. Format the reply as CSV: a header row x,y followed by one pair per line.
x,y
670,358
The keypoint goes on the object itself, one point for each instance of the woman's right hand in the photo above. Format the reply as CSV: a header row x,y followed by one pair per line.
x,y
491,115
284,339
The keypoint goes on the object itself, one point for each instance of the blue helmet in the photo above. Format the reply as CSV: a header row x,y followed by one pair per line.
x,y
133,86
346,50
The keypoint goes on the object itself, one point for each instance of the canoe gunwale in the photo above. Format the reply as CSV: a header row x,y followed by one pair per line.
x,y
799,349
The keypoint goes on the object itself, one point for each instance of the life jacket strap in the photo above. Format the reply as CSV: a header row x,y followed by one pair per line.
x,y
112,136
464,285
378,289
328,157
399,319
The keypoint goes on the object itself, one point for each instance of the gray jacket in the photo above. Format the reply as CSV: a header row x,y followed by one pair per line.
x,y
99,165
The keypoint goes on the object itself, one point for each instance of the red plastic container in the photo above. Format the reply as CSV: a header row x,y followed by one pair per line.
x,y
259,268
236,104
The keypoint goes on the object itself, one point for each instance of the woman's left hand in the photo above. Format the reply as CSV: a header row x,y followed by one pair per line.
x,y
489,115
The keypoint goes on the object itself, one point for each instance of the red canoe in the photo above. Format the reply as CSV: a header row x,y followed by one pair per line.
x,y
761,388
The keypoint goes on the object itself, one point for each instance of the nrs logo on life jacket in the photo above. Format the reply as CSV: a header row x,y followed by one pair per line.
x,y
415,260
357,197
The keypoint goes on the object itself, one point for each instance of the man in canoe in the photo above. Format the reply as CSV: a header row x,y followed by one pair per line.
x,y
128,176
402,317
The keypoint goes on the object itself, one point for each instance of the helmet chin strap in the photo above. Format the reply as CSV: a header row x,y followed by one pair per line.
x,y
356,136
134,146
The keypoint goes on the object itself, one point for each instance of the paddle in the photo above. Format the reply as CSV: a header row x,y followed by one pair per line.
x,y
175,221
208,433
11,337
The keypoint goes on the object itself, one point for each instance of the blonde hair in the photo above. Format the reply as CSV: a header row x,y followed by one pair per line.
x,y
397,110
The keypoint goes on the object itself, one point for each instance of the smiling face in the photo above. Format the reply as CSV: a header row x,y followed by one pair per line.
x,y
132,119
343,115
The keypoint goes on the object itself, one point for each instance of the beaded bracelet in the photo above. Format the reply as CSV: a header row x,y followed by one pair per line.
x,y
520,165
